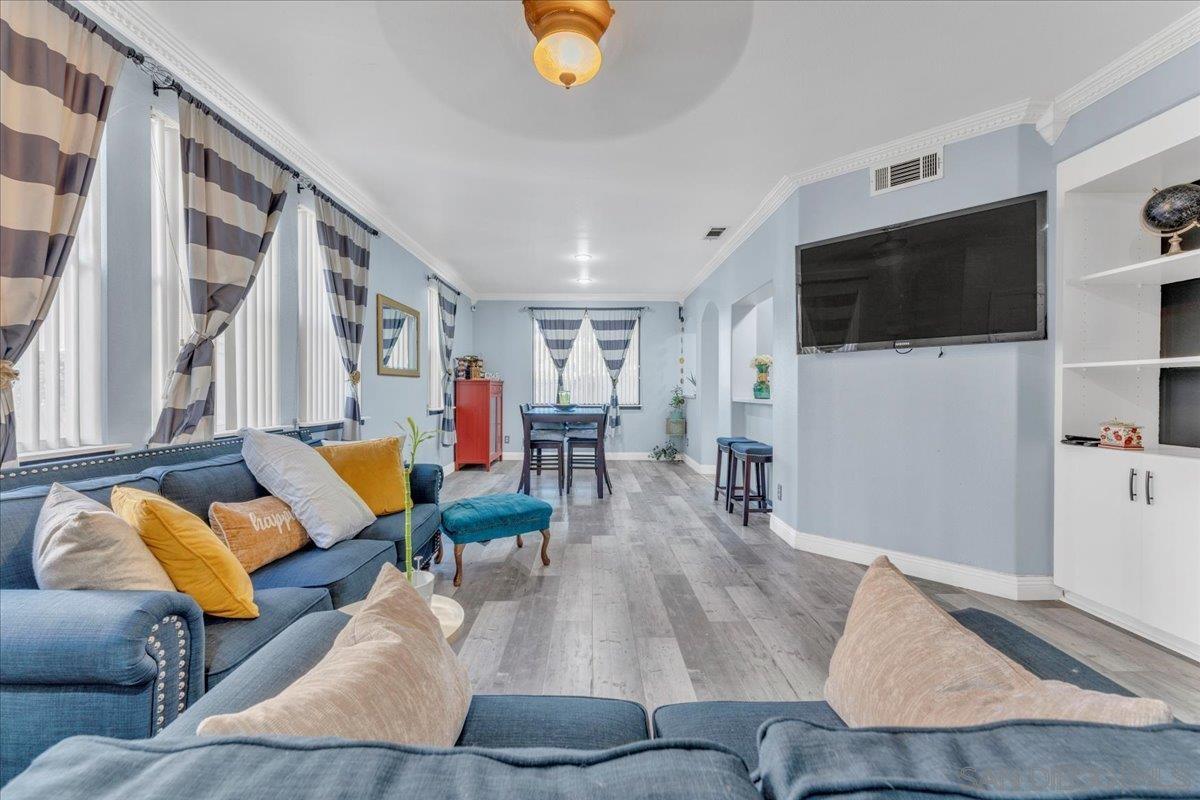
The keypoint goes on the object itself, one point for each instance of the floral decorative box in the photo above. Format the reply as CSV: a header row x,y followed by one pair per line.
x,y
1120,435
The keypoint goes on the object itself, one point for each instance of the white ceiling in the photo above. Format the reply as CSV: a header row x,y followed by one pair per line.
x,y
433,112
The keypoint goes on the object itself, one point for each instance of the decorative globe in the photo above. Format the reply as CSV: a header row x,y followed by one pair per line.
x,y
1172,211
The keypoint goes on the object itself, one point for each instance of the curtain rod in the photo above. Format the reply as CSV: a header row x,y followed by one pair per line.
x,y
525,309
162,79
432,277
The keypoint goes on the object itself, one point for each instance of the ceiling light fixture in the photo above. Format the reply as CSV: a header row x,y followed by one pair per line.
x,y
583,257
583,279
568,35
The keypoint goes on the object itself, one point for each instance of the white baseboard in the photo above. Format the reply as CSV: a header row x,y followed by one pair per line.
x,y
1137,627
703,469
1001,584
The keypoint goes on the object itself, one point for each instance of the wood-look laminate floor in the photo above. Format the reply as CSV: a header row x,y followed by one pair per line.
x,y
654,594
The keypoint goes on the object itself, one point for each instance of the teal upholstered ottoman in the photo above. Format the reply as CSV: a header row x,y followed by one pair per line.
x,y
494,516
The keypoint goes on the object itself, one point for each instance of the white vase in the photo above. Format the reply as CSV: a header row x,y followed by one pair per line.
x,y
422,581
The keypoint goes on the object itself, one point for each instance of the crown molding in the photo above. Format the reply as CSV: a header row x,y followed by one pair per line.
x,y
143,31
1159,48
592,297
1049,117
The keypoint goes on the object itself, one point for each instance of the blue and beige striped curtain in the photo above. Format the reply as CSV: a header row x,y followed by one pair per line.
x,y
614,330
393,326
346,245
232,197
447,308
59,71
559,327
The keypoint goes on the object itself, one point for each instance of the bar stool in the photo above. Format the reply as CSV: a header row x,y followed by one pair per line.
x,y
723,443
754,457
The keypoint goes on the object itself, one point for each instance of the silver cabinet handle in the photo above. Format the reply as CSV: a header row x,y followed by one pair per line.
x,y
1149,488
1132,485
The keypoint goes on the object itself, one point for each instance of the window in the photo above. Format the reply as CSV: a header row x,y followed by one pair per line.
x,y
321,373
586,377
246,354
433,327
59,395
170,315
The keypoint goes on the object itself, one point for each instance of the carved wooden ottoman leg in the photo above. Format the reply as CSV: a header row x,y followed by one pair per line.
x,y
519,542
458,548
545,547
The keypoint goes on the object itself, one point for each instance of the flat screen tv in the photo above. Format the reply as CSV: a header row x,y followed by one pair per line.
x,y
976,275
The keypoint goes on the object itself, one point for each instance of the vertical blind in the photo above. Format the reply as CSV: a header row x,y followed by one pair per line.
x,y
321,372
169,312
58,397
586,376
433,344
246,357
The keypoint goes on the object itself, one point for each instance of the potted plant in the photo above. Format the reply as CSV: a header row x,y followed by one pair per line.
x,y
762,384
422,580
665,452
677,419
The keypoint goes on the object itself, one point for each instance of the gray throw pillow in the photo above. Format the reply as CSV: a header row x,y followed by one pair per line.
x,y
82,544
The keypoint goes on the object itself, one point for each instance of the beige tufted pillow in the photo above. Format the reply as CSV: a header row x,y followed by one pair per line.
x,y
389,676
903,661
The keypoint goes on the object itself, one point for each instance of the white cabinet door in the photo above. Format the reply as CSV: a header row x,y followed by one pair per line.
x,y
1171,546
1098,552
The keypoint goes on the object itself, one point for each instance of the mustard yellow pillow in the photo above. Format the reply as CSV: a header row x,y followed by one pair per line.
x,y
373,468
196,561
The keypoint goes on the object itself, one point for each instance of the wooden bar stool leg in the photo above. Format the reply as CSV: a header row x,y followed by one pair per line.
x,y
717,476
746,493
730,482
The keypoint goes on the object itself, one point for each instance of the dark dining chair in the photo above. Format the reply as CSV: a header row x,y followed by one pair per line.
x,y
584,451
546,447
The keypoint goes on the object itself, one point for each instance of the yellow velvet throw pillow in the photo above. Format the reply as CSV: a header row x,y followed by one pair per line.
x,y
373,468
197,562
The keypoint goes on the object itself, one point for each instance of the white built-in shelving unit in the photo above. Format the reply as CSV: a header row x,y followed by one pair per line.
x,y
1127,524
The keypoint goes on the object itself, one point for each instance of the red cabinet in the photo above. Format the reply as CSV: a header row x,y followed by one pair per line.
x,y
478,422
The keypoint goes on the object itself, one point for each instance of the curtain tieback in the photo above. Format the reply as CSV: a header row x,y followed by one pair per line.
x,y
8,374
355,377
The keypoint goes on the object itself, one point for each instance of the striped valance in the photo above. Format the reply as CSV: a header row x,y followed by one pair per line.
x,y
346,248
614,330
57,75
559,327
233,195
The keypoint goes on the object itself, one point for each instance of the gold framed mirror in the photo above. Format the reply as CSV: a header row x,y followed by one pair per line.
x,y
397,338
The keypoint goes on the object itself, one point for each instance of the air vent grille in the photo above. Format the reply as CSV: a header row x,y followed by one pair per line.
x,y
907,172
714,233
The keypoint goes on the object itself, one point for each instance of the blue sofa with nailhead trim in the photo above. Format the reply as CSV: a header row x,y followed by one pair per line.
x,y
126,664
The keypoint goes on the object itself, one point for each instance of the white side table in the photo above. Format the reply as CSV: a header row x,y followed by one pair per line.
x,y
447,610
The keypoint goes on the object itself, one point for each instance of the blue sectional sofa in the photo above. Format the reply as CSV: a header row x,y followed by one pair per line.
x,y
546,746
126,664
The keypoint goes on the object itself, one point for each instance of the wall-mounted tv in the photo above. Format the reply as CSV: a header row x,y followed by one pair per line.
x,y
976,275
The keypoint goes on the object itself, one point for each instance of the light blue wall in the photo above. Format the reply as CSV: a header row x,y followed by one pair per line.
x,y
505,343
946,457
395,272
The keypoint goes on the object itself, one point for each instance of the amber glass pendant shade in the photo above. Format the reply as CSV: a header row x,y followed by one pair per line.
x,y
568,38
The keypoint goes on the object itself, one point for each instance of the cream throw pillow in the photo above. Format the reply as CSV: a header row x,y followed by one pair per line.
x,y
903,661
289,469
80,543
389,676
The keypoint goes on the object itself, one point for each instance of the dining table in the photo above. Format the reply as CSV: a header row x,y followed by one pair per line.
x,y
566,415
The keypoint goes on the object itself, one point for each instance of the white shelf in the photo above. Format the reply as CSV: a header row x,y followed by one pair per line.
x,y
1182,361
1155,272
1172,450
754,401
